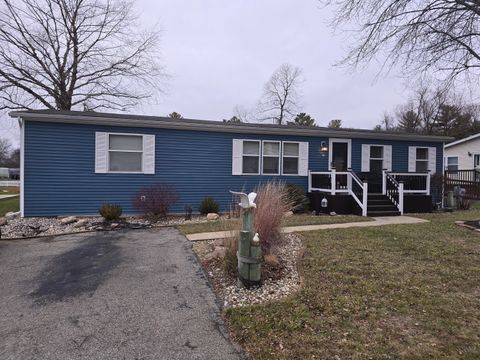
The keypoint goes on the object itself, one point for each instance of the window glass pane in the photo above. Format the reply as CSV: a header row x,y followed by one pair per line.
x,y
125,142
270,165
250,164
376,152
271,148
290,165
422,166
422,154
125,161
290,149
477,160
452,160
251,148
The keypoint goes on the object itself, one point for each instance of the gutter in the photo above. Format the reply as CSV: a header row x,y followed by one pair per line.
x,y
217,126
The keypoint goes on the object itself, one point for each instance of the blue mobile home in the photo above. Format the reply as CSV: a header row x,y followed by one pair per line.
x,y
72,162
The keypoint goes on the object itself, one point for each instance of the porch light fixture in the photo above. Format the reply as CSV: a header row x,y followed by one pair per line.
x,y
323,147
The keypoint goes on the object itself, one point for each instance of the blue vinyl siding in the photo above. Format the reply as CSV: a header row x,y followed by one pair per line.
x,y
60,174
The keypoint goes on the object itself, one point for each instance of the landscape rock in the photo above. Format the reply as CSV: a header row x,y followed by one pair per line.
x,y
68,220
271,260
288,213
3,221
286,282
12,215
80,223
333,213
212,216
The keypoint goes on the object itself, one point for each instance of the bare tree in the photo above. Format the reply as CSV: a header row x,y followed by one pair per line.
x,y
5,149
67,54
281,95
440,35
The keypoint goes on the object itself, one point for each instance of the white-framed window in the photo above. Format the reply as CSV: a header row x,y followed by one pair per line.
x,y
452,163
476,160
421,159
376,159
271,157
124,153
251,157
290,158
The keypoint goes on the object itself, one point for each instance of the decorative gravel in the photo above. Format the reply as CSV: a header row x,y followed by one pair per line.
x,y
282,284
44,226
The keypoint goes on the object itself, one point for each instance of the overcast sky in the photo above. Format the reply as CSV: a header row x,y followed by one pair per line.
x,y
220,53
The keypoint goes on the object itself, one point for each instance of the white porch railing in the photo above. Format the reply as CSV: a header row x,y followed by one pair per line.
x,y
414,183
353,186
10,183
394,190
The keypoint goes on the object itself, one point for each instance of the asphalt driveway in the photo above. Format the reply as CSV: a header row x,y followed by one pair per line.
x,y
115,295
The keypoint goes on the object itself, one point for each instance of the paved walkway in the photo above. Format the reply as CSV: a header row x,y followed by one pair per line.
x,y
377,221
7,196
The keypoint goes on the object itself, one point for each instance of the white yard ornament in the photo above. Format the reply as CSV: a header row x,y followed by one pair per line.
x,y
246,201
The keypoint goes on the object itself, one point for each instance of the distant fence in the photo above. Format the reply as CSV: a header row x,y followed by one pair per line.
x,y
467,179
10,183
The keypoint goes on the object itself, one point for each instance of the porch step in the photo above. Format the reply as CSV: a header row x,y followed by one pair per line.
x,y
383,213
381,205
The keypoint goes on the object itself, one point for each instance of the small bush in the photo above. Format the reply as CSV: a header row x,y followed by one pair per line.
x,y
208,205
296,195
154,201
110,212
272,204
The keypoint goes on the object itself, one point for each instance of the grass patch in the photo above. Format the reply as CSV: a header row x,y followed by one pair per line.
x,y
9,190
391,292
10,204
294,220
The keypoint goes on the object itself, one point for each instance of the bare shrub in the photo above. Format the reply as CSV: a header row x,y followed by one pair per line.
x,y
230,262
272,204
155,200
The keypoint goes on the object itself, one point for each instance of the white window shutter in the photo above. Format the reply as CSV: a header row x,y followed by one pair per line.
x,y
149,154
432,160
237,152
387,157
365,158
303,159
101,152
412,159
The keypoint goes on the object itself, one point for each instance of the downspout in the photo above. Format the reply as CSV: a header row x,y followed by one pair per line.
x,y
21,123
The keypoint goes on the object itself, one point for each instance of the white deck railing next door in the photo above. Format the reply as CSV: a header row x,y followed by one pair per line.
x,y
355,187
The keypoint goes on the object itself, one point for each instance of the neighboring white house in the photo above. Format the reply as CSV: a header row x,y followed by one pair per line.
x,y
463,154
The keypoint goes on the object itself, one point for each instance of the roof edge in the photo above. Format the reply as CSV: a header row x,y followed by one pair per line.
x,y
468,138
215,126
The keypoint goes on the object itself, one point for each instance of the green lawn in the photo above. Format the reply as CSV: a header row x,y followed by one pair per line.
x,y
294,220
4,190
10,204
391,292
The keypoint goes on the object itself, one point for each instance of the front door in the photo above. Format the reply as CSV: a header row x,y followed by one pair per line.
x,y
340,160
340,154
